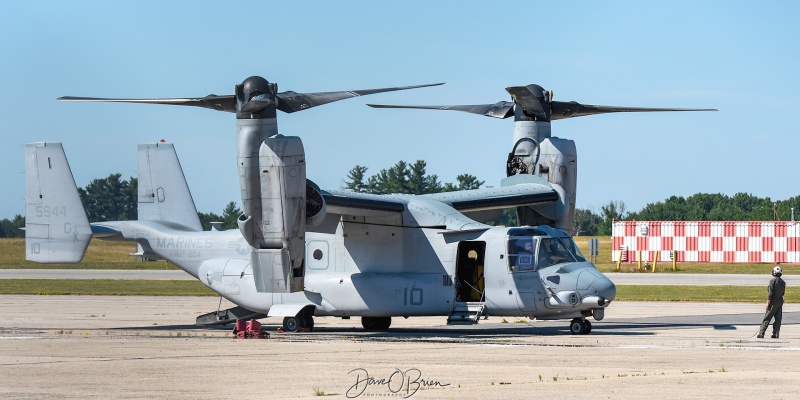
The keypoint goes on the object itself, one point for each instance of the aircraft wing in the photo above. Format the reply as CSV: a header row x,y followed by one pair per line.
x,y
515,191
518,190
362,204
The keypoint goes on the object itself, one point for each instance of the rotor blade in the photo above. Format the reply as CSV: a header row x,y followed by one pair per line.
x,y
290,102
501,109
212,101
571,109
530,103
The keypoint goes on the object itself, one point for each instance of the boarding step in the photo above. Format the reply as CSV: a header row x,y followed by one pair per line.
x,y
466,313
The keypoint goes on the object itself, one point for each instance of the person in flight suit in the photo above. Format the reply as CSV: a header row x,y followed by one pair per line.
x,y
776,289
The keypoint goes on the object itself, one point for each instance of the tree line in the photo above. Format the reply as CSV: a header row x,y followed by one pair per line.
x,y
405,178
697,207
115,199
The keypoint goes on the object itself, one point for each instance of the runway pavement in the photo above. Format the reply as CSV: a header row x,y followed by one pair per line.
x,y
618,278
145,347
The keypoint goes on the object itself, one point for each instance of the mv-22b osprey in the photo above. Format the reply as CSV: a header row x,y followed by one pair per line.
x,y
301,252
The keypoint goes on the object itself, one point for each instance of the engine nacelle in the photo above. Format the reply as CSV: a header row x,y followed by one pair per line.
x,y
557,164
276,227
315,205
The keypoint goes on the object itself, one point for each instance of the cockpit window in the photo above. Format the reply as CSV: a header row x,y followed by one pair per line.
x,y
521,253
552,251
529,253
573,248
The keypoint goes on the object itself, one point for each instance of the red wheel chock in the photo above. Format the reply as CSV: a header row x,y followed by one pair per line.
x,y
249,330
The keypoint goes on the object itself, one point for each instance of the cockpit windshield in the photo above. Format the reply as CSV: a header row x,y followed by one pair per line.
x,y
573,248
552,251
529,253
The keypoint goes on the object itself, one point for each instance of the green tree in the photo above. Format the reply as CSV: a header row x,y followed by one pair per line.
x,y
586,222
785,208
356,177
507,218
716,207
613,210
12,228
110,199
230,215
673,209
702,206
406,179
750,208
392,180
465,182
207,218
419,182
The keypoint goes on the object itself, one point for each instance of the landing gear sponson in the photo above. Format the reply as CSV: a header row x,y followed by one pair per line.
x,y
227,316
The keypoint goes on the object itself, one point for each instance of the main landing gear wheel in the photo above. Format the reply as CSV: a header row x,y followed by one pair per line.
x,y
376,323
580,326
296,324
293,324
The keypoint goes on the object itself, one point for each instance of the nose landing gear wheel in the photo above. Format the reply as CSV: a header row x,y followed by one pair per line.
x,y
579,326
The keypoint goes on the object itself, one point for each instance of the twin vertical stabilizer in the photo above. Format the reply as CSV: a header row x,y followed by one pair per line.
x,y
56,227
163,192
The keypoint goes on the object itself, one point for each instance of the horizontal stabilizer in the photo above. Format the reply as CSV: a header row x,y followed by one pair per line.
x,y
56,227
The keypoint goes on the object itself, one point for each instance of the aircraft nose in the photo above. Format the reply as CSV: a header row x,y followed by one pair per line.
x,y
605,288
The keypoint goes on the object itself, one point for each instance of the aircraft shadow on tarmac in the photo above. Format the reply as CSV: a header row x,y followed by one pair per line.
x,y
495,330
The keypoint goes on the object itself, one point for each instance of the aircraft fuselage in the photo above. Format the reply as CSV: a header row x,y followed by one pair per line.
x,y
361,269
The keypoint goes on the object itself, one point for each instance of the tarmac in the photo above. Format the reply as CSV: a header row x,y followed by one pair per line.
x,y
131,347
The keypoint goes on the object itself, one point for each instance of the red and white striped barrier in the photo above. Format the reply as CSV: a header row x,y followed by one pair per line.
x,y
708,241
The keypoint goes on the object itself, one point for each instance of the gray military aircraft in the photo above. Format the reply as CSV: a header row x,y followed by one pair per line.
x,y
300,251
535,151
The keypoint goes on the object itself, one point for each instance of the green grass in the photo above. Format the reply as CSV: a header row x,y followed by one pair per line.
x,y
751,294
704,268
100,255
104,287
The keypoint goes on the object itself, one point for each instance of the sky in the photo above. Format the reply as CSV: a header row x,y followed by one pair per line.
x,y
740,57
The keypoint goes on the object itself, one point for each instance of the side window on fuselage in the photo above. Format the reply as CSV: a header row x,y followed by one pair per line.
x,y
521,254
